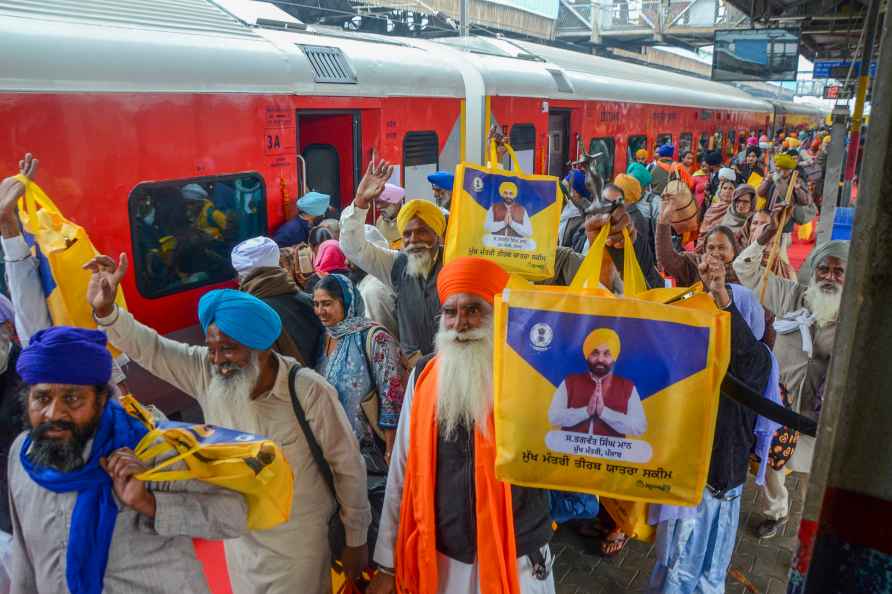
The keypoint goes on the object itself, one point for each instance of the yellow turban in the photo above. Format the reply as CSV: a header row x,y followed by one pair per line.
x,y
599,337
792,142
427,211
826,139
641,154
785,161
509,187
631,188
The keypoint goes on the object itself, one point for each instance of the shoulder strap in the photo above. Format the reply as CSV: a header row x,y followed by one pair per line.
x,y
315,448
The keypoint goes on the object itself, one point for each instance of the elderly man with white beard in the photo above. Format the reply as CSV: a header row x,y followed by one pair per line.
x,y
240,382
448,525
806,315
410,272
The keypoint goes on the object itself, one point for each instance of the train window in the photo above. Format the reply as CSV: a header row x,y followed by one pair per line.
x,y
717,139
704,143
184,230
421,152
732,141
664,138
523,140
607,147
685,143
323,170
636,143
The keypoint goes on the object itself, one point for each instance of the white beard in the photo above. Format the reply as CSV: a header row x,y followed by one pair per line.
x,y
464,382
824,306
421,261
229,398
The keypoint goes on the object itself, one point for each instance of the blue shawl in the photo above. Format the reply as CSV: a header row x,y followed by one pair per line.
x,y
95,512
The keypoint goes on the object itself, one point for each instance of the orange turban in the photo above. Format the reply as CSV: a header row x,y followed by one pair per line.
x,y
630,186
641,154
468,274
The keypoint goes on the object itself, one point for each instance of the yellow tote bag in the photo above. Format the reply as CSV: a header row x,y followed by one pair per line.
x,y
650,438
508,217
249,464
62,248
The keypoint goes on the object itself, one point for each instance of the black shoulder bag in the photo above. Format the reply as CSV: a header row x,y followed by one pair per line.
x,y
337,538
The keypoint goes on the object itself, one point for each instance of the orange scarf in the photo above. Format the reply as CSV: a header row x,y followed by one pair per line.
x,y
416,547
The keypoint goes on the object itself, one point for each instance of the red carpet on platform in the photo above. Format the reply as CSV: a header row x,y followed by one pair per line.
x,y
210,553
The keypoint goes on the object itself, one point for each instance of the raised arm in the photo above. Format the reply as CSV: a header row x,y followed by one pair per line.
x,y
183,366
374,260
22,274
673,263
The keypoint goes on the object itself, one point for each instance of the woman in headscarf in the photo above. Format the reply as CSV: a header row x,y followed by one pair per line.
x,y
742,206
720,205
360,359
683,266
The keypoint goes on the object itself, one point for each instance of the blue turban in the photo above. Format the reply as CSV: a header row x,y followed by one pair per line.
x,y
240,316
314,203
666,150
576,179
66,355
442,179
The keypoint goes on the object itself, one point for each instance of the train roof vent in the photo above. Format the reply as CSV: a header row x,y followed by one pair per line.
x,y
329,64
165,15
563,84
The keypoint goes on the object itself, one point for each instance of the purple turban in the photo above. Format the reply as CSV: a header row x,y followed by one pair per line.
x,y
66,355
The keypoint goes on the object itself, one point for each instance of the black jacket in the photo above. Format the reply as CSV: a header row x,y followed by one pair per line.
x,y
11,425
734,439
456,516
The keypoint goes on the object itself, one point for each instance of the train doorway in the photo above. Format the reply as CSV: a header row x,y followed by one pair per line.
x,y
329,143
558,142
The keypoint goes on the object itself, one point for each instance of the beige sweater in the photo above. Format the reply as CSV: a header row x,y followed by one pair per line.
x,y
293,556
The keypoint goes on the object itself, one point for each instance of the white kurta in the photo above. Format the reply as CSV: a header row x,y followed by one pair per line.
x,y
454,576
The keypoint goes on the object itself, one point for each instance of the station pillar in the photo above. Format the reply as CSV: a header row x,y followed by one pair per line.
x,y
846,529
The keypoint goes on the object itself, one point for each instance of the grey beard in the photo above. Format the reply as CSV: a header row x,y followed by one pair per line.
x,y
464,382
420,262
229,398
824,306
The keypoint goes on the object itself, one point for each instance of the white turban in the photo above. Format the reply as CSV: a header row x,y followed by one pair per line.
x,y
728,174
255,253
194,192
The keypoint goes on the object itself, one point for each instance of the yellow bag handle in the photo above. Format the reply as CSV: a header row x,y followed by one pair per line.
x,y
34,196
590,269
494,162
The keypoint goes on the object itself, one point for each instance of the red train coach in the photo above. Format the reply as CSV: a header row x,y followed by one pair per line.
x,y
149,117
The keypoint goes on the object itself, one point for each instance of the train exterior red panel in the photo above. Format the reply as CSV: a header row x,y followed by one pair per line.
x,y
95,148
621,120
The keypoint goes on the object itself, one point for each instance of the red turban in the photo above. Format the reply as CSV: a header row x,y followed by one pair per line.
x,y
477,276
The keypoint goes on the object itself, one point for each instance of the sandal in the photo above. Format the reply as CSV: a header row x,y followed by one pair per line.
x,y
614,543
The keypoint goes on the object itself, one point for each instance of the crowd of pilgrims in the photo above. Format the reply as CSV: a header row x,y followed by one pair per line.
x,y
388,351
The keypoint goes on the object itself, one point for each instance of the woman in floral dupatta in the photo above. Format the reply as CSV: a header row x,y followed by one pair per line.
x,y
359,357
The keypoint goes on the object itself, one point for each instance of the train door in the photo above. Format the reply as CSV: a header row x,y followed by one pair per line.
x,y
558,142
329,143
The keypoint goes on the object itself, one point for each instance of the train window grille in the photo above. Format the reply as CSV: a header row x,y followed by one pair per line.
x,y
183,231
329,64
704,142
323,170
685,143
664,138
607,147
421,148
732,141
522,137
635,143
718,138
